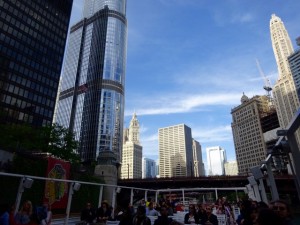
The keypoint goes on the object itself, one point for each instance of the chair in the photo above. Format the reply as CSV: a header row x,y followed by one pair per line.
x,y
221,219
108,222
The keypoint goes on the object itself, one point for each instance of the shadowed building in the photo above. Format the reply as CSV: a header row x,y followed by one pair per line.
x,y
32,43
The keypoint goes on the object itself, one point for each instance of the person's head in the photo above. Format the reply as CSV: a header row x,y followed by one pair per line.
x,y
282,209
151,205
104,204
208,209
88,205
164,210
141,211
27,207
268,216
192,209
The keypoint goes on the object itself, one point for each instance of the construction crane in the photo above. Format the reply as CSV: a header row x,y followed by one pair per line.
x,y
267,86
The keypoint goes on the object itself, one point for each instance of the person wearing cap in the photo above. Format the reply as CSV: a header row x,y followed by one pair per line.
x,y
103,212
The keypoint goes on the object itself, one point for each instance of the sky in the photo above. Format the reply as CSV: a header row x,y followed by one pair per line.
x,y
190,61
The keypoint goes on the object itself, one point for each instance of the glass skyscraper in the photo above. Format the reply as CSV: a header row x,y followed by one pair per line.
x,y
32,42
91,100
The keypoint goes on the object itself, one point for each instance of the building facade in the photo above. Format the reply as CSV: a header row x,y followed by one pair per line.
x,y
231,168
175,151
294,62
284,91
91,101
32,42
198,162
216,157
248,136
131,166
149,168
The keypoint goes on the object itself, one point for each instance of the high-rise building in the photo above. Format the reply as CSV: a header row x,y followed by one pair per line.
x,y
149,168
91,101
248,136
198,162
231,168
294,61
175,151
32,42
132,154
216,157
284,91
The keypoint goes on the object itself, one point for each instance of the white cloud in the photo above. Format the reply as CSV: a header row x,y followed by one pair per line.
x,y
212,134
242,18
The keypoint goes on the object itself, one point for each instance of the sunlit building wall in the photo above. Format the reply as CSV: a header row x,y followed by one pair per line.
x,y
284,91
216,157
175,151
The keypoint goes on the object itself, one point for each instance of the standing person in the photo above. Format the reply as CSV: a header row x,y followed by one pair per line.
x,y
191,217
283,210
163,219
103,212
88,214
209,218
140,218
23,216
4,215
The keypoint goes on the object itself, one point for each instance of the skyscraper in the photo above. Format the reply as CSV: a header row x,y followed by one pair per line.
x,y
149,168
284,91
132,154
32,42
248,135
198,162
91,101
294,61
216,157
175,151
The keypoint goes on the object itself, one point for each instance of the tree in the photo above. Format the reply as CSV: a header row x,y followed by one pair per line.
x,y
54,139
62,143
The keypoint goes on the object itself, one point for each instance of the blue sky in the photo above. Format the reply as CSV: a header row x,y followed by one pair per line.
x,y
189,61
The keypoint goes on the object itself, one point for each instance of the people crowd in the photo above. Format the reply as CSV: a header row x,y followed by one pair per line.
x,y
251,213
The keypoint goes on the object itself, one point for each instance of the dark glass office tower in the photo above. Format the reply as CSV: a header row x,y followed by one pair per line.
x,y
91,101
32,42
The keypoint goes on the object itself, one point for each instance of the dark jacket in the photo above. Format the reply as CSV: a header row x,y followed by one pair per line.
x,y
88,215
163,220
212,218
196,217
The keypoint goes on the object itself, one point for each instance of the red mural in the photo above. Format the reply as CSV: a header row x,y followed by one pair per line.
x,y
56,193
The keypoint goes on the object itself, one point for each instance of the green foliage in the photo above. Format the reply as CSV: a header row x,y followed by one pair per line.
x,y
55,139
